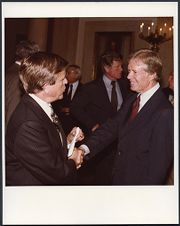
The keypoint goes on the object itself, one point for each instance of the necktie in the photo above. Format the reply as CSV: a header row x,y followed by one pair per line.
x,y
114,101
69,94
135,108
56,122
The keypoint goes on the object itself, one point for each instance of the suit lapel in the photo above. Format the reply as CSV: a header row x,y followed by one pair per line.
x,y
77,90
144,115
46,122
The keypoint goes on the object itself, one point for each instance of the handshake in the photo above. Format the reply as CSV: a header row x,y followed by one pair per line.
x,y
74,153
77,156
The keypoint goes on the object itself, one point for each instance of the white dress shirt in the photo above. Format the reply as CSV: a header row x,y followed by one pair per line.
x,y
108,86
18,62
74,88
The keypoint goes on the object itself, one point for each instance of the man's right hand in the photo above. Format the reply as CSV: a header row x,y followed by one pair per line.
x,y
77,156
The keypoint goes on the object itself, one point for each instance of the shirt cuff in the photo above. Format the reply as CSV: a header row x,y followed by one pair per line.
x,y
85,149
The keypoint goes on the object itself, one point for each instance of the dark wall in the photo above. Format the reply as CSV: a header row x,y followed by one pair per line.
x,y
15,30
61,36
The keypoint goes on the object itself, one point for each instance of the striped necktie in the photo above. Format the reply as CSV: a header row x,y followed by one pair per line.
x,y
57,124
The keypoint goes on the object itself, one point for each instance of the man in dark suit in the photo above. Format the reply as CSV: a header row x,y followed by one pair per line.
x,y
169,93
94,104
62,107
169,90
13,86
144,131
36,146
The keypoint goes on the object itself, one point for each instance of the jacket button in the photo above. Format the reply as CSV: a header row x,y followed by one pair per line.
x,y
119,153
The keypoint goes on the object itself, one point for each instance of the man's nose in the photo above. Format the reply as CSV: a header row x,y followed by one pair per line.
x,y
129,75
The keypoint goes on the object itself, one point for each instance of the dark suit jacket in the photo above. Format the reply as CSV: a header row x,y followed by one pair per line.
x,y
92,104
90,107
167,91
65,102
34,152
67,119
145,145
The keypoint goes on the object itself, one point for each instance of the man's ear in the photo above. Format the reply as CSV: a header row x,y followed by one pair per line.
x,y
46,88
106,68
25,85
153,76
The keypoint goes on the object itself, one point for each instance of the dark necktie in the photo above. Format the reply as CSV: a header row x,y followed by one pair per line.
x,y
69,94
56,122
135,108
114,101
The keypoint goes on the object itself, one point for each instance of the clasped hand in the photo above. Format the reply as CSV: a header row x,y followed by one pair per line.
x,y
77,156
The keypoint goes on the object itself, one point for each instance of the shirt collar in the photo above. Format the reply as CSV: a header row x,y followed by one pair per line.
x,y
151,91
44,105
75,84
18,62
147,95
107,81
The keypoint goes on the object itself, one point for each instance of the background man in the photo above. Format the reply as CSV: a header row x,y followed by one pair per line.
x,y
62,107
97,101
169,90
13,86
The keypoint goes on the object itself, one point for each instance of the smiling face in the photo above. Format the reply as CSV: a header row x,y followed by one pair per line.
x,y
55,92
140,79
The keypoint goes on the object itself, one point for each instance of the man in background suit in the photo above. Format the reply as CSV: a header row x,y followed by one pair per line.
x,y
36,146
62,107
13,86
169,93
169,90
143,127
93,105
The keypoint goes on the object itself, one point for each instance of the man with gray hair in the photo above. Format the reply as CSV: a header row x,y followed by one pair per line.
x,y
143,127
62,107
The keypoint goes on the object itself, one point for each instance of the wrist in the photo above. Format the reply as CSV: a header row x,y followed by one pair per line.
x,y
82,149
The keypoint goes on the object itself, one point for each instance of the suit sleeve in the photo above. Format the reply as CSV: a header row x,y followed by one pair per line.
x,y
104,135
42,157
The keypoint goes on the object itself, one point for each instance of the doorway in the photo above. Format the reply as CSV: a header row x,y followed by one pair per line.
x,y
107,42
